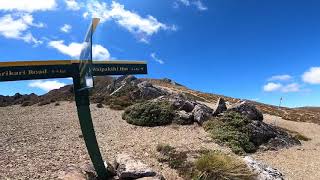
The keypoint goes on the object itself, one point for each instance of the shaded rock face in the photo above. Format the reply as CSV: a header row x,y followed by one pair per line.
x,y
183,118
147,91
220,107
248,110
129,168
263,171
270,137
187,109
201,113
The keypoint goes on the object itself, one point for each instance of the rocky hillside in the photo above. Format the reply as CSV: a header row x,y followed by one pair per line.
x,y
108,91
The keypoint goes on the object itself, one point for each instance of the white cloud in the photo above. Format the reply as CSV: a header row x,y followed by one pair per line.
x,y
141,27
66,28
27,5
46,85
200,5
16,27
312,76
73,5
197,3
294,87
73,50
154,57
272,87
184,2
284,77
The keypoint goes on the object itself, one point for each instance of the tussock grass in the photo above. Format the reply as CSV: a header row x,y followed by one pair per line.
x,y
216,165
210,165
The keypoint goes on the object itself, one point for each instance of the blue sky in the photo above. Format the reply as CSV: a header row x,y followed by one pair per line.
x,y
258,50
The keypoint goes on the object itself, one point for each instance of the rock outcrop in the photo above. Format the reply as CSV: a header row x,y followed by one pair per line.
x,y
248,110
263,171
201,113
220,107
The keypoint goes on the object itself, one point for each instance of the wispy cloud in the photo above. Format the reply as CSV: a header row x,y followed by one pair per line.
x,y
73,5
141,27
196,3
155,58
46,85
73,50
66,28
17,27
284,77
312,76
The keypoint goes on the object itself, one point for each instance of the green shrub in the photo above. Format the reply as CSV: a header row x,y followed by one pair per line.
x,y
119,103
231,129
217,165
149,114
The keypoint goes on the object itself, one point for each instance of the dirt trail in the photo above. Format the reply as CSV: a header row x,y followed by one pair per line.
x,y
298,163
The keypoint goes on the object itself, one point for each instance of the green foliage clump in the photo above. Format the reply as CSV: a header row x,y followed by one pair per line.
x,y
231,129
149,114
217,165
118,102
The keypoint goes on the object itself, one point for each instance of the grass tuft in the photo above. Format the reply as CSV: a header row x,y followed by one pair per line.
x,y
218,165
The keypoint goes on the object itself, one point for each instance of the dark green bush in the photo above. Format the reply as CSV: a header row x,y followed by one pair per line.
x,y
231,129
149,114
216,165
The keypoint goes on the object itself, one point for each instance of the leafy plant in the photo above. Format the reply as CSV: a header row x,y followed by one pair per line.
x,y
149,114
231,129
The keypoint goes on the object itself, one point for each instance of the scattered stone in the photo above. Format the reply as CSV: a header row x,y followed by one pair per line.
x,y
248,110
201,113
220,107
99,105
73,173
263,171
129,168
57,104
183,118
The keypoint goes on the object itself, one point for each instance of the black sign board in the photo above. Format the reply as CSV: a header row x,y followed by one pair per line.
x,y
14,71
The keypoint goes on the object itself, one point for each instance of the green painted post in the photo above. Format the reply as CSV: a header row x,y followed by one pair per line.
x,y
84,114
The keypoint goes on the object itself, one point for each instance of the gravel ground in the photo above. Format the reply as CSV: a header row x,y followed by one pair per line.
x,y
298,163
39,141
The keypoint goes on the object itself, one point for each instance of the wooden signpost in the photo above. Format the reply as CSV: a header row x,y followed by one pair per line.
x,y
82,71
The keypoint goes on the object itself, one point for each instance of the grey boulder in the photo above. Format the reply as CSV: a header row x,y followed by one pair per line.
x,y
201,113
129,168
248,110
220,107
